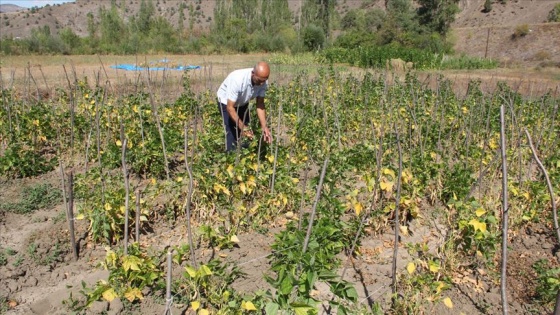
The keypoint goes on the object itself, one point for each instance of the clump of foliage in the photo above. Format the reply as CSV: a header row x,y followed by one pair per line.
x,y
487,6
548,281
36,197
209,287
521,31
468,63
554,14
29,134
128,275
297,272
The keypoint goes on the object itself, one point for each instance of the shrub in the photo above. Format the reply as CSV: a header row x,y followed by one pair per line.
x,y
487,6
521,31
313,37
542,55
554,14
353,39
548,281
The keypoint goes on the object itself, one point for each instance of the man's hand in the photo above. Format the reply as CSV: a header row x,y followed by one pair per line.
x,y
248,133
266,135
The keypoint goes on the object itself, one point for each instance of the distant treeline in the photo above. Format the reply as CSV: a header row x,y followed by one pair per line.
x,y
244,26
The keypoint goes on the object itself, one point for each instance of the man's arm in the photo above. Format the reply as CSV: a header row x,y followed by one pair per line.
x,y
261,114
230,107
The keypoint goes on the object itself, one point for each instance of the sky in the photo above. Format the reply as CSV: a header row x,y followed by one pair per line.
x,y
33,3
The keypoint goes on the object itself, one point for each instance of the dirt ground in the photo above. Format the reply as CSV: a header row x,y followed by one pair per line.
x,y
37,285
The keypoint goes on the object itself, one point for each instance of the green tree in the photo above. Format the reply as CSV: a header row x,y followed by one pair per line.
x,y
145,15
401,24
243,25
402,15
374,19
313,37
356,38
350,20
91,26
181,23
70,39
437,15
163,37
246,10
275,15
318,13
113,30
41,41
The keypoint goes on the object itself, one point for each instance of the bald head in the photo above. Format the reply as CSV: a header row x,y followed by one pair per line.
x,y
262,69
260,73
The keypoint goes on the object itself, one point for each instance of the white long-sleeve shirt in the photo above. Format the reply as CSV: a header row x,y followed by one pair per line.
x,y
238,88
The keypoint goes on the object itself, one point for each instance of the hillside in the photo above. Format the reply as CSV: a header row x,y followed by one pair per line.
x,y
491,34
5,8
475,33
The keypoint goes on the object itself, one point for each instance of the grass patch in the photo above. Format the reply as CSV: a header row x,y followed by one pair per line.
x,y
36,197
467,63
293,59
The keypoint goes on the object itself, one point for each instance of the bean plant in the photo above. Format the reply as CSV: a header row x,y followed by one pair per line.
x,y
449,173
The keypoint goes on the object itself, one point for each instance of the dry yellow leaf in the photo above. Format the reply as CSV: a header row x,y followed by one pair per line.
x,y
358,208
404,229
386,186
109,294
249,306
388,171
477,225
195,305
479,212
411,267
447,301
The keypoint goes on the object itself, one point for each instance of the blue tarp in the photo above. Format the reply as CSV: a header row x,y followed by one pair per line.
x,y
157,67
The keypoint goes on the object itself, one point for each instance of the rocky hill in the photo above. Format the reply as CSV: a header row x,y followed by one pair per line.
x,y
512,32
6,8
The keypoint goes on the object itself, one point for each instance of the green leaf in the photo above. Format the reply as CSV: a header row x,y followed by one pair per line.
x,y
341,310
286,285
301,308
311,278
271,308
327,275
434,266
351,293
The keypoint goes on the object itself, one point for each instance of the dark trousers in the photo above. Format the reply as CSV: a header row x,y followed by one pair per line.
x,y
232,133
